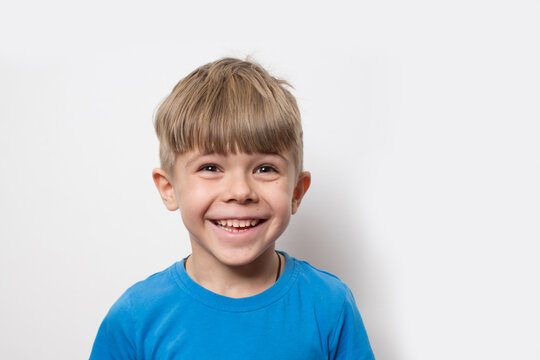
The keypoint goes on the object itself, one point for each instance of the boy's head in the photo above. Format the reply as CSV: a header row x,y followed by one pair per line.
x,y
231,157
229,106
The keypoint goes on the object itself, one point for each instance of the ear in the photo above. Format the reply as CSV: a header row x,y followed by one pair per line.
x,y
165,188
302,185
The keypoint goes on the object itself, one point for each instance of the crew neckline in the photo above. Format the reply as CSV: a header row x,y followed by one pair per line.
x,y
251,303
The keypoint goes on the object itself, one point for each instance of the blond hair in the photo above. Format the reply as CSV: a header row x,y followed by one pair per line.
x,y
227,106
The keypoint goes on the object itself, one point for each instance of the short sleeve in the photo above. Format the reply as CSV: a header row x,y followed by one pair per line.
x,y
350,340
116,335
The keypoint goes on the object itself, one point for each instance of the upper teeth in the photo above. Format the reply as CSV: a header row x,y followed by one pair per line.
x,y
237,223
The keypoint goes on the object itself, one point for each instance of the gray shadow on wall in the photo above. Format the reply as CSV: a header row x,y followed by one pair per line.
x,y
326,233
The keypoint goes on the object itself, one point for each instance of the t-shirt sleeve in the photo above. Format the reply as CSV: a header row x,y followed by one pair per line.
x,y
350,340
116,335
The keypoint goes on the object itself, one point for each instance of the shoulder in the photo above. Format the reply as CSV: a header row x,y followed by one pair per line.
x,y
160,281
321,281
118,334
335,309
155,288
326,292
144,296
142,300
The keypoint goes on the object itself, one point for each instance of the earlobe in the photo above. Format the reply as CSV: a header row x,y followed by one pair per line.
x,y
302,185
165,188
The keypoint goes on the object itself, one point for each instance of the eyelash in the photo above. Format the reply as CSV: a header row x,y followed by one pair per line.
x,y
215,168
270,167
208,166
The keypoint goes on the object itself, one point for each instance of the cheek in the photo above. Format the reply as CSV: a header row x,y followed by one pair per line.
x,y
281,199
194,202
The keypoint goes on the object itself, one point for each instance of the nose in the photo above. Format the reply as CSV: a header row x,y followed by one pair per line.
x,y
239,188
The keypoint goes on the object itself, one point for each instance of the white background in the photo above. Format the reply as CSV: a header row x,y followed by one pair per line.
x,y
421,123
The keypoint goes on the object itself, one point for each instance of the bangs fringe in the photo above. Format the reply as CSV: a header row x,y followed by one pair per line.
x,y
227,109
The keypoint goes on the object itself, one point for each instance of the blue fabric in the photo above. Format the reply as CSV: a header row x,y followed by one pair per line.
x,y
306,314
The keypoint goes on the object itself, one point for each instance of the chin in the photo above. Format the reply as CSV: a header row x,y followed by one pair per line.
x,y
239,257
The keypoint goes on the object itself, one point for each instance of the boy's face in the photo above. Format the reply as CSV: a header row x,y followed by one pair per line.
x,y
234,206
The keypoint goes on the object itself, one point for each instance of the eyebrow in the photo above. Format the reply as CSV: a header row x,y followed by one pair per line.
x,y
196,157
281,156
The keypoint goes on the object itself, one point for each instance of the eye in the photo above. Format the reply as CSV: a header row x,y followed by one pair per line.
x,y
210,168
266,169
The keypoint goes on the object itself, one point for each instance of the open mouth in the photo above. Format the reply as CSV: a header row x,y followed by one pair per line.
x,y
236,226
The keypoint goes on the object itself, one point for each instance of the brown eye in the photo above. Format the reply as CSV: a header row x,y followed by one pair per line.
x,y
266,169
210,167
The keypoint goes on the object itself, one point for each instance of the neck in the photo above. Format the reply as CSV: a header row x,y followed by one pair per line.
x,y
235,281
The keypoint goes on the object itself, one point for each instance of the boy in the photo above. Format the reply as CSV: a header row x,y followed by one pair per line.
x,y
231,162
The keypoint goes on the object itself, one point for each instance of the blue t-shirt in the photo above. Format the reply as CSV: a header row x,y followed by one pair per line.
x,y
306,314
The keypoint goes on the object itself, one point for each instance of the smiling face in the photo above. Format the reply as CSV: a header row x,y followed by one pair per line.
x,y
234,206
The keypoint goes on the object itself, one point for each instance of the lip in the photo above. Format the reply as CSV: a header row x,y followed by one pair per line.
x,y
236,217
241,233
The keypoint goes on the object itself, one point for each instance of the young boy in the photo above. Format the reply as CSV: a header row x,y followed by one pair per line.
x,y
231,162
